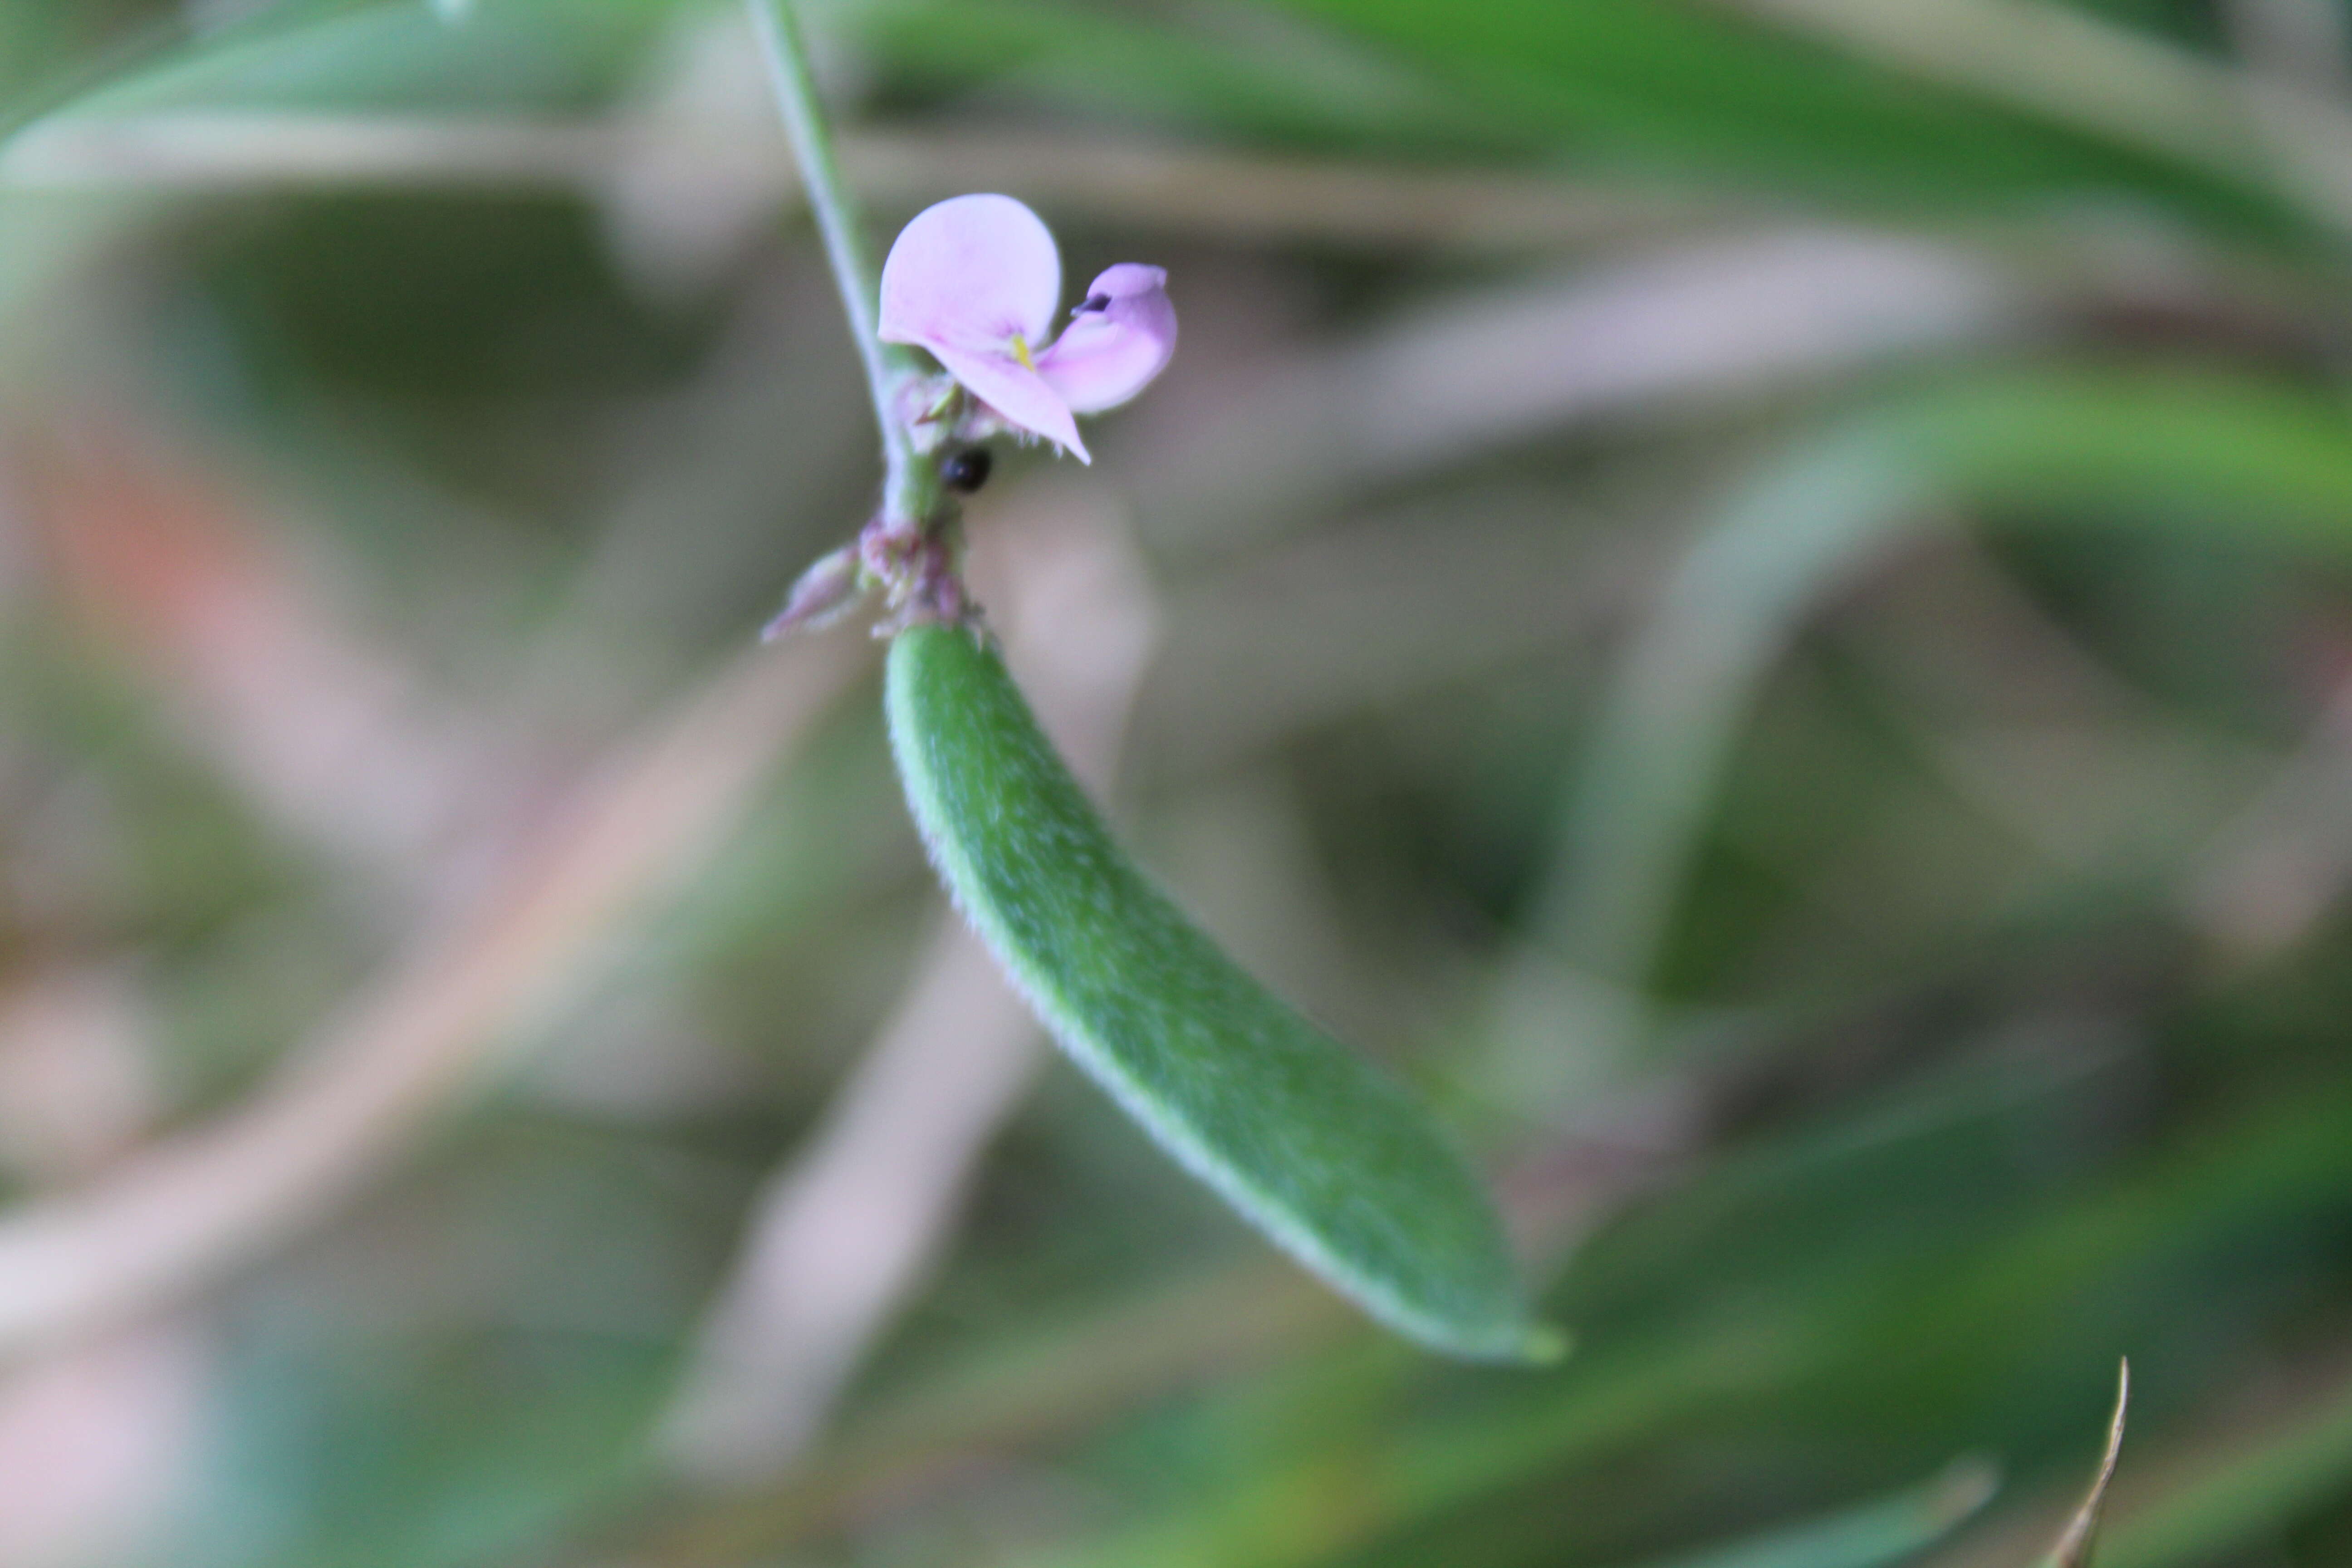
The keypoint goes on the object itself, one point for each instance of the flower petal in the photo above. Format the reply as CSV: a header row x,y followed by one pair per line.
x,y
1119,340
971,272
1021,396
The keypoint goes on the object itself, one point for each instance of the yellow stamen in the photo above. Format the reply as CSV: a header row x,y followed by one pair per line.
x,y
1021,350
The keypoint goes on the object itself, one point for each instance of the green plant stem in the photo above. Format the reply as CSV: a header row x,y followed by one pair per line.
x,y
911,493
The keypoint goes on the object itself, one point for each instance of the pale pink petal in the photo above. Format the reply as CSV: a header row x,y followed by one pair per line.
x,y
1117,342
972,272
1016,392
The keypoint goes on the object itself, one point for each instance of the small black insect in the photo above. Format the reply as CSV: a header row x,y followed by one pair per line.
x,y
966,469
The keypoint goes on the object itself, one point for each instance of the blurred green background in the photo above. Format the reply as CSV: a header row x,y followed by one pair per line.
x,y
1752,594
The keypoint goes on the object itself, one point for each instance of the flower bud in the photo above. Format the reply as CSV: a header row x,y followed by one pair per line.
x,y
824,592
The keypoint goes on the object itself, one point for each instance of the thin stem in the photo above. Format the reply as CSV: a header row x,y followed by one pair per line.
x,y
906,493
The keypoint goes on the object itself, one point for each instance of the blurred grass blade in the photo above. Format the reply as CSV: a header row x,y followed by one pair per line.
x,y
2232,1489
1706,90
1689,677
2207,455
1885,1531
348,57
2075,1546
1329,1159
1317,90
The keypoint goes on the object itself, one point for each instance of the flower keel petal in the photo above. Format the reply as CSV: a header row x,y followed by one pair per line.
x,y
1120,340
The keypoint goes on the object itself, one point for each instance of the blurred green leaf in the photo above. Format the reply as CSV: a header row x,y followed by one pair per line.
x,y
1879,1533
1662,86
345,57
463,1448
1326,1156
1319,89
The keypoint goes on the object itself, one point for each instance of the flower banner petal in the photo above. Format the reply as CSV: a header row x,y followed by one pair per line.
x,y
968,270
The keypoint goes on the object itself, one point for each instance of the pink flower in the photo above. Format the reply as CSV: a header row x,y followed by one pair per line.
x,y
974,280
